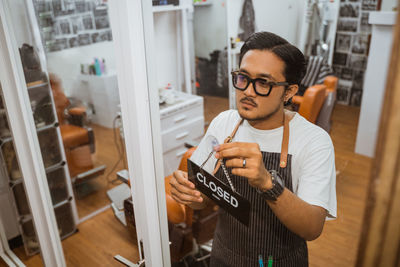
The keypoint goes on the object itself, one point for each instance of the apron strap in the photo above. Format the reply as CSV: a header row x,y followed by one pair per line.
x,y
228,140
285,141
284,147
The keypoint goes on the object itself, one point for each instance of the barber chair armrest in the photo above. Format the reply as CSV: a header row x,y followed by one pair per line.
x,y
331,83
297,99
77,111
77,116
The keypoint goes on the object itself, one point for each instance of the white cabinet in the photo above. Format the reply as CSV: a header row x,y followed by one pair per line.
x,y
181,122
102,93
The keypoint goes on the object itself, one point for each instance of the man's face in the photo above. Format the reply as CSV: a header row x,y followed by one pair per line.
x,y
261,64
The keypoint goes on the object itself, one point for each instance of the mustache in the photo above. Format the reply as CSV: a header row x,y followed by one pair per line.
x,y
248,99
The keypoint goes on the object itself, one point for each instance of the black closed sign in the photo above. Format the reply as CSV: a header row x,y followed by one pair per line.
x,y
219,192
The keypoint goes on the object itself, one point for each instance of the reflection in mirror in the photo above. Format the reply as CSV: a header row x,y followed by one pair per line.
x,y
335,38
67,55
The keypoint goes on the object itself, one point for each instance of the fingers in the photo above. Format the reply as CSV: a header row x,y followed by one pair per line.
x,y
237,163
182,190
237,150
243,172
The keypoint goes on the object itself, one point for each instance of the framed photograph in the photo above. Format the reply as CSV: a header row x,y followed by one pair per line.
x,y
102,22
57,8
65,26
360,44
57,45
347,74
101,36
365,27
84,39
347,25
358,79
87,22
42,6
340,59
76,23
81,6
73,42
356,97
358,62
343,92
337,70
343,42
349,10
45,22
369,5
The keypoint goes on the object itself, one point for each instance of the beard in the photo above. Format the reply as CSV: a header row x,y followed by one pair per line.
x,y
258,117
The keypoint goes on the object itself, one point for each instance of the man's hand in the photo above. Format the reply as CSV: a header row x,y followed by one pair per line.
x,y
183,191
254,170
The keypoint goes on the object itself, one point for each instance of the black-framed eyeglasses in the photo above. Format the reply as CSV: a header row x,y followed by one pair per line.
x,y
261,86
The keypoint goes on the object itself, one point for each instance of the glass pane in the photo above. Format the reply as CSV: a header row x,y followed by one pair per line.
x,y
15,212
333,35
67,54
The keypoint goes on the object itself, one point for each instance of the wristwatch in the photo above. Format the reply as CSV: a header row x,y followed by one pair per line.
x,y
277,187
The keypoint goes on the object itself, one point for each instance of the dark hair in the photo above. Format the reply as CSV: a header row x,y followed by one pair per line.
x,y
295,64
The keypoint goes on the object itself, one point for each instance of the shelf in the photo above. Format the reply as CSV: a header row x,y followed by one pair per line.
x,y
47,170
166,8
61,203
43,128
5,140
28,217
37,84
207,3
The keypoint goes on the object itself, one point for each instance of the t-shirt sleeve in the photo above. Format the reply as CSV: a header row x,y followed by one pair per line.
x,y
317,180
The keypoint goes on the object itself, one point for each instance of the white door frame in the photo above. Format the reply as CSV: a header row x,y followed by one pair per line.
x,y
133,35
132,24
26,143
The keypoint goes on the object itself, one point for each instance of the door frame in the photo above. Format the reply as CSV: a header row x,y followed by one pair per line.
x,y
380,236
26,143
133,34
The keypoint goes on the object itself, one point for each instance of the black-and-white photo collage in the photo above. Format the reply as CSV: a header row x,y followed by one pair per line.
x,y
351,49
70,23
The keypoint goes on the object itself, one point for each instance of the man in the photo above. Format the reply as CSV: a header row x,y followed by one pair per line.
x,y
288,176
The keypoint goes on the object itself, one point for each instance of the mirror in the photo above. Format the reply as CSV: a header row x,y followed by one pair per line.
x,y
338,33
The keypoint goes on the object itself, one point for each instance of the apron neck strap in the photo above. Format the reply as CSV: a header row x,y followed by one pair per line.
x,y
228,140
284,147
285,141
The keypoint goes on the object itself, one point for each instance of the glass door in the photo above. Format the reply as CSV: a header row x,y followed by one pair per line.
x,y
65,146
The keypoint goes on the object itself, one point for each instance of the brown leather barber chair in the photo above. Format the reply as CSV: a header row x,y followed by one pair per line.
x,y
316,106
78,139
311,102
189,230
185,224
324,118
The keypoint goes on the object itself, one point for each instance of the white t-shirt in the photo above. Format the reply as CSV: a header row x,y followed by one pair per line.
x,y
313,157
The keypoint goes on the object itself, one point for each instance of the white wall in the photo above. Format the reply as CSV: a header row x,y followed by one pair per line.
x,y
66,63
166,38
281,17
388,5
210,30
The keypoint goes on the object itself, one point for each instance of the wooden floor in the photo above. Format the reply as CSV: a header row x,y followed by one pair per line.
x,y
102,236
96,243
92,196
337,246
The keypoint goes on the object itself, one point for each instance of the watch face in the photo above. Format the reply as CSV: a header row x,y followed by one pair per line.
x,y
277,178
